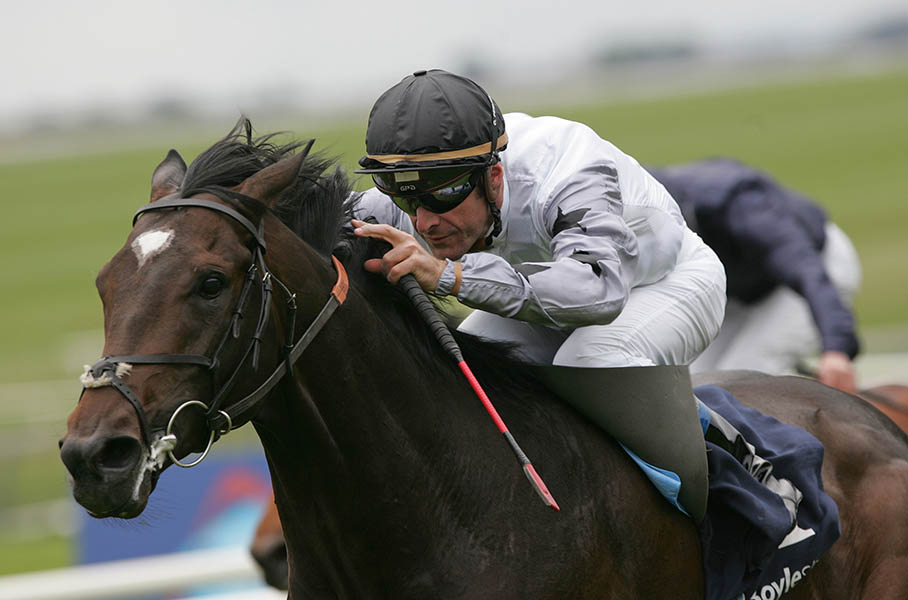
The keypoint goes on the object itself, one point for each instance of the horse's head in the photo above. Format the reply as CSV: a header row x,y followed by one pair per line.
x,y
184,300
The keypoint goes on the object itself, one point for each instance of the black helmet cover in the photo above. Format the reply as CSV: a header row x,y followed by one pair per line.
x,y
433,119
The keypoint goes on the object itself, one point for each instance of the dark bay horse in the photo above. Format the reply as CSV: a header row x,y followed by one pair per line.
x,y
390,480
269,549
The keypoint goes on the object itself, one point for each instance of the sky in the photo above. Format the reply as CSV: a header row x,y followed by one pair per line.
x,y
61,57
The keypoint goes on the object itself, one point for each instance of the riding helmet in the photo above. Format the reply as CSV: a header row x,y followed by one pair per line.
x,y
430,120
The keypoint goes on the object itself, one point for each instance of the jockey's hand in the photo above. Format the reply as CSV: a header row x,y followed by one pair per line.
x,y
405,256
836,370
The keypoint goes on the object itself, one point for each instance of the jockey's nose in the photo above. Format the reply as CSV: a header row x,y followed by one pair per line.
x,y
99,457
425,219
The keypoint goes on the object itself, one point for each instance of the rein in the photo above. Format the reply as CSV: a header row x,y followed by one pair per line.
x,y
220,420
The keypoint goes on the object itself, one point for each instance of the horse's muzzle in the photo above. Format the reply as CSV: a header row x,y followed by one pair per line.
x,y
104,472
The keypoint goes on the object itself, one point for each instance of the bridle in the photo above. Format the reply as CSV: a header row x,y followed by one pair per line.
x,y
220,418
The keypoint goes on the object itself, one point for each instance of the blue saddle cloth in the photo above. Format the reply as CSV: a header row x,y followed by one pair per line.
x,y
750,550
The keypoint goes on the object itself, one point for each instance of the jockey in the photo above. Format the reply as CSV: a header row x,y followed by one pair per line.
x,y
562,244
791,272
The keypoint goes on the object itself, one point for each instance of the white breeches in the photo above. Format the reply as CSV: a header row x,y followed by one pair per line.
x,y
668,322
777,332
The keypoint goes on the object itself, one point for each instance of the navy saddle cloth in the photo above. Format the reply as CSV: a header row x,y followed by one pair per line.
x,y
751,551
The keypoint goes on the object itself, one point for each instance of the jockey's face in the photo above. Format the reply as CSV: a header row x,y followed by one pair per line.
x,y
452,234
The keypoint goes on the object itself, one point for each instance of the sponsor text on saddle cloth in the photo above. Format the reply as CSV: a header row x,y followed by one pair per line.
x,y
767,519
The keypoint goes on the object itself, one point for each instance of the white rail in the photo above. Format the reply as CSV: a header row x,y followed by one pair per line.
x,y
122,579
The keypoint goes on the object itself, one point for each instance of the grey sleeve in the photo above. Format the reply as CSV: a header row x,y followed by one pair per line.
x,y
594,254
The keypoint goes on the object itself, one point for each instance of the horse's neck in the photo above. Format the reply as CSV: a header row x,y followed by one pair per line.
x,y
351,435
358,383
358,390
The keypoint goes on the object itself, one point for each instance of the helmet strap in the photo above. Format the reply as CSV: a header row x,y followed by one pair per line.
x,y
490,197
496,224
493,209
484,243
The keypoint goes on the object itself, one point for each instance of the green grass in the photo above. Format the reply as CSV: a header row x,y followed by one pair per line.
x,y
33,555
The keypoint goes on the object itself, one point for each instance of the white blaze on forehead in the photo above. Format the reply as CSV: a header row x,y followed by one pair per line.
x,y
150,243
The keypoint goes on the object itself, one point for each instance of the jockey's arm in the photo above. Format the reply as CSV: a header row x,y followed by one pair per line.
x,y
586,281
594,255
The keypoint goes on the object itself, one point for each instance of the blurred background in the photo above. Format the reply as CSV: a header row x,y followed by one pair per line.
x,y
94,93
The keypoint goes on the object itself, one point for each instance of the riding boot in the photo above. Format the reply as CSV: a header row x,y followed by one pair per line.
x,y
651,411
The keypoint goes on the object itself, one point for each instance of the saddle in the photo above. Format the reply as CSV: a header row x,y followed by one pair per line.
x,y
751,483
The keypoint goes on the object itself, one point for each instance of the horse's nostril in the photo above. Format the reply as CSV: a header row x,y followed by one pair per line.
x,y
118,453
94,457
73,453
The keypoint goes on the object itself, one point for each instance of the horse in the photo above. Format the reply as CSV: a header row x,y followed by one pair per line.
x,y
269,550
388,476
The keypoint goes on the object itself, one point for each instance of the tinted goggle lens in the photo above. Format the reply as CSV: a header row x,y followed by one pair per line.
x,y
438,191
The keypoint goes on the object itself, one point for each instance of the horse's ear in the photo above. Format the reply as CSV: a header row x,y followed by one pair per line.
x,y
266,185
168,176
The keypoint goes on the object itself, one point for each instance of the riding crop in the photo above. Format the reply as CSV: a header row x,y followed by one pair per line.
x,y
427,311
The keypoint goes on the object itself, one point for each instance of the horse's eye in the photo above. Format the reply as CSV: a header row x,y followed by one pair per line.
x,y
211,286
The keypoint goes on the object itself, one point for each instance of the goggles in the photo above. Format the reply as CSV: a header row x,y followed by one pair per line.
x,y
436,190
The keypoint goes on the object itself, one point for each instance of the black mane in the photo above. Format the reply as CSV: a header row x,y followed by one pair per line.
x,y
318,208
235,157
311,207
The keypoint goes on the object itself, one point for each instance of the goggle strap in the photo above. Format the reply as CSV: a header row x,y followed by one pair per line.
x,y
495,229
